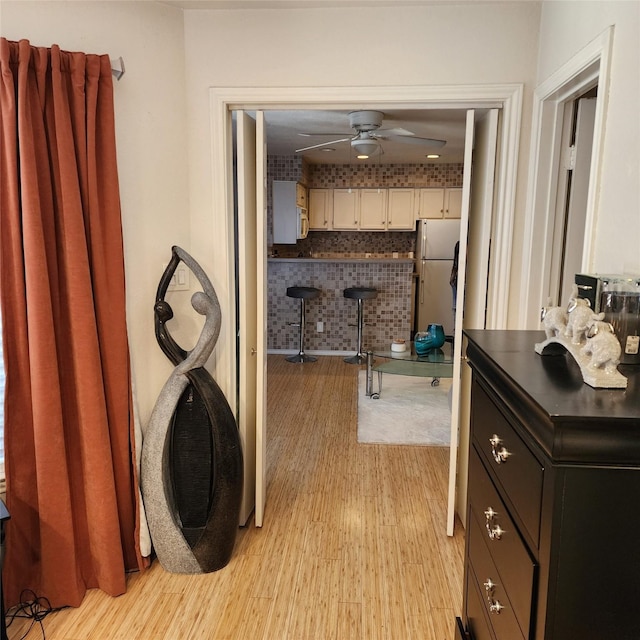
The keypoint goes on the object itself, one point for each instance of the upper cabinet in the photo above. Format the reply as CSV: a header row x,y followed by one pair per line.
x,y
400,209
438,203
379,209
301,196
373,209
320,209
346,209
452,203
289,216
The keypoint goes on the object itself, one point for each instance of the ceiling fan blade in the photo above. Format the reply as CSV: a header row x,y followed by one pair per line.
x,y
324,133
427,142
322,144
397,131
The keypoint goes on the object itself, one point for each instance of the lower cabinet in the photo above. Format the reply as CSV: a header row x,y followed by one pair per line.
x,y
552,548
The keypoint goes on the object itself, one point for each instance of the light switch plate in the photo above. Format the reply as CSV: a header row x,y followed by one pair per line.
x,y
179,279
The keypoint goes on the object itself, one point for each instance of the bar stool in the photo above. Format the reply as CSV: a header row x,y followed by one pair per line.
x,y
359,294
303,294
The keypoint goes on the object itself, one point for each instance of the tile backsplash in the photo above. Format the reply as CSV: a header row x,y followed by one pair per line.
x,y
387,317
390,314
430,175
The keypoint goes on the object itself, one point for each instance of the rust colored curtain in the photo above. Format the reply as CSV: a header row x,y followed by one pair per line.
x,y
71,479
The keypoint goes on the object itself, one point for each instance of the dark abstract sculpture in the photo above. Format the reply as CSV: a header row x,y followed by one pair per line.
x,y
191,470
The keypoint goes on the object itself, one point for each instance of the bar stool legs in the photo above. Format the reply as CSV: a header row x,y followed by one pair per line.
x,y
303,294
359,294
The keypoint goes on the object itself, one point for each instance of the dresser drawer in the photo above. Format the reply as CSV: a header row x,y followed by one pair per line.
x,y
477,625
496,594
493,533
516,469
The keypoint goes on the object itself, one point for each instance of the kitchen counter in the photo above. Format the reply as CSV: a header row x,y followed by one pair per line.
x,y
346,260
331,317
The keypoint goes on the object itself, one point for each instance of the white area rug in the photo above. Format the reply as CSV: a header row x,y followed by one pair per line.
x,y
409,411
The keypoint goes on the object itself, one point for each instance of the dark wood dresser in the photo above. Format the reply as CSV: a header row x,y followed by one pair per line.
x,y
553,513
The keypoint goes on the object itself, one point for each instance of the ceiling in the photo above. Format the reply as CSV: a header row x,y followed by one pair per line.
x,y
284,129
209,5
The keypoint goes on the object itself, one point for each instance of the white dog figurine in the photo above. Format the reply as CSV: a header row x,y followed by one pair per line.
x,y
603,346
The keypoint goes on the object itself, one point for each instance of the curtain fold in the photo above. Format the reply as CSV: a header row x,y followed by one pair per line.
x,y
69,433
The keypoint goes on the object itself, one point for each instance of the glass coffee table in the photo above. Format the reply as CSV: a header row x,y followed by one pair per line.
x,y
436,364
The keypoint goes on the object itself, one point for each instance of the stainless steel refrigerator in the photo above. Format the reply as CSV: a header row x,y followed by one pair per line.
x,y
435,245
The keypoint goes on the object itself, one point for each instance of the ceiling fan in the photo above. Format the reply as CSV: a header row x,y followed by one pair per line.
x,y
366,141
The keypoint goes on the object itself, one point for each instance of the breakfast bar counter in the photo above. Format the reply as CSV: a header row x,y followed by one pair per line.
x,y
330,318
359,260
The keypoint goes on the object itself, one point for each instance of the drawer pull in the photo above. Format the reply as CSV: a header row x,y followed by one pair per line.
x,y
499,455
494,532
495,607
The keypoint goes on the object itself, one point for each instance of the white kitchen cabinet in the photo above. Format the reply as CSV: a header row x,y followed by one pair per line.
x,y
452,203
301,196
320,209
400,209
373,209
438,203
346,209
290,221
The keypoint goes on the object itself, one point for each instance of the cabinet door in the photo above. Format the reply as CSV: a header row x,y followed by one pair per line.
x,y
285,215
345,209
301,195
320,209
430,203
400,209
452,203
373,209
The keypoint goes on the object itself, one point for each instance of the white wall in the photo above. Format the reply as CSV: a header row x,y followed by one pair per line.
x,y
566,27
151,140
437,44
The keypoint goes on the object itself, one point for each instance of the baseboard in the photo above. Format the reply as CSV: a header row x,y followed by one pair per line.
x,y
289,352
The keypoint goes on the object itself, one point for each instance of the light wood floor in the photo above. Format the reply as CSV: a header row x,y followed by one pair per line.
x,y
353,545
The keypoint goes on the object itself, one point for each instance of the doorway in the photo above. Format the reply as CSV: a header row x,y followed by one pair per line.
x,y
552,113
506,97
573,191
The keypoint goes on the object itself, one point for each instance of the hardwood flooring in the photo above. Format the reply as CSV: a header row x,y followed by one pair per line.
x,y
353,545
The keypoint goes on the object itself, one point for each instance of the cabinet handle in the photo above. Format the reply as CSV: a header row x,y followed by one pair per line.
x,y
499,455
495,606
494,532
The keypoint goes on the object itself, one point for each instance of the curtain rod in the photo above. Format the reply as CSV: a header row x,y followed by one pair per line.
x,y
117,68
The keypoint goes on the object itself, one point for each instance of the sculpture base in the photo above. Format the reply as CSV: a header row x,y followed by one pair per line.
x,y
593,376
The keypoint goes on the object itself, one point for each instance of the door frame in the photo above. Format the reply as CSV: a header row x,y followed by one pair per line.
x,y
223,100
588,68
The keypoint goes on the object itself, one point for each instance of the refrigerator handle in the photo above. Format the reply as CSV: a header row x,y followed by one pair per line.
x,y
422,283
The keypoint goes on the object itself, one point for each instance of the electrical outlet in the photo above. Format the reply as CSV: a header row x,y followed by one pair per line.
x,y
320,326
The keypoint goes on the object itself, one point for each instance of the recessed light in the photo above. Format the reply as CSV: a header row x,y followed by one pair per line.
x,y
328,149
362,157
433,156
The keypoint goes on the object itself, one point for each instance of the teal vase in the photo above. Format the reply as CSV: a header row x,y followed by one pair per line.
x,y
432,338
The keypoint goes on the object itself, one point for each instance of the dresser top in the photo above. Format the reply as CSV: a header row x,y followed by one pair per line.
x,y
571,420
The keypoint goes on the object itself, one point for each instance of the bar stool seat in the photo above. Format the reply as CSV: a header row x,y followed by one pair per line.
x,y
359,294
303,294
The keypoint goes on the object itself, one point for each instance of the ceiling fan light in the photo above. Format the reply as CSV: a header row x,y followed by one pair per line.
x,y
365,147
